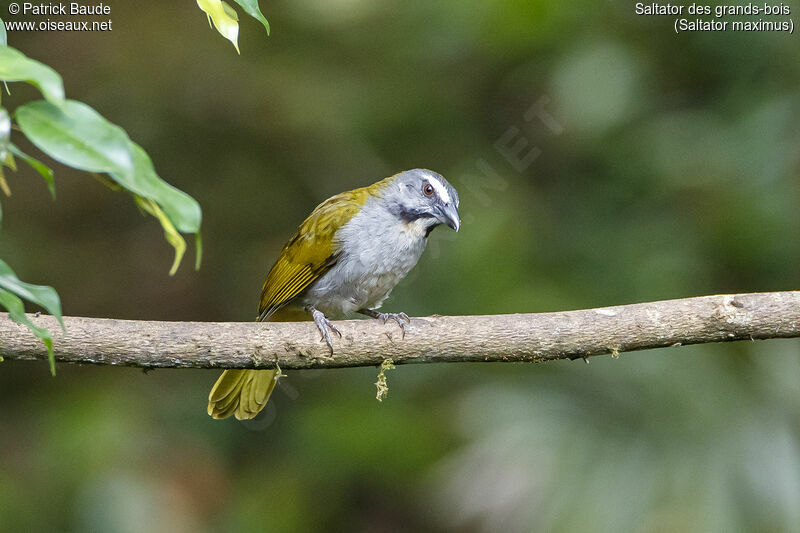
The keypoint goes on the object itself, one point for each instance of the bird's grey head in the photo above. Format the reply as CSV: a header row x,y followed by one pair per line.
x,y
424,197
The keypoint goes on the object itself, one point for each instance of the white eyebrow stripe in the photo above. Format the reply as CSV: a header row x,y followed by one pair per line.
x,y
440,189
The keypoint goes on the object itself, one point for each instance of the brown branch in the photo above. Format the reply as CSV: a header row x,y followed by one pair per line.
x,y
521,337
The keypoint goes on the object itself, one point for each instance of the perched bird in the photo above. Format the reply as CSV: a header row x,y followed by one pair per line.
x,y
346,257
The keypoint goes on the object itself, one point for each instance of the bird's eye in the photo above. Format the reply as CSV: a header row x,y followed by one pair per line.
x,y
427,189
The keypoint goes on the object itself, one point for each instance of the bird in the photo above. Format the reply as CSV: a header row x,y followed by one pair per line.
x,y
345,258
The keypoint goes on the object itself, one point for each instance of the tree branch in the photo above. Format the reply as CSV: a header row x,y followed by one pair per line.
x,y
520,337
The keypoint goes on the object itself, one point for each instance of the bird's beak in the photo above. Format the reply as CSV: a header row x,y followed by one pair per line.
x,y
448,214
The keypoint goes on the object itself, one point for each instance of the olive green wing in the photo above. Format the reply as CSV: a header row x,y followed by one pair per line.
x,y
310,252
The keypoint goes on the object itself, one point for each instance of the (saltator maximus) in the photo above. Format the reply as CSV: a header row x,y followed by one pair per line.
x,y
346,257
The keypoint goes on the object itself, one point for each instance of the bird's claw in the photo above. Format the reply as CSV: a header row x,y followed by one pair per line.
x,y
401,319
325,326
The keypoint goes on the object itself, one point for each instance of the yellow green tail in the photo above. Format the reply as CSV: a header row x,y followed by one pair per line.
x,y
241,393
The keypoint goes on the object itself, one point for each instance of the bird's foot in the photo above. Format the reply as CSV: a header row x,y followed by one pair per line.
x,y
401,319
325,326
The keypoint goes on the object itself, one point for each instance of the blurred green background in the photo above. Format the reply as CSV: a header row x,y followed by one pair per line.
x,y
667,167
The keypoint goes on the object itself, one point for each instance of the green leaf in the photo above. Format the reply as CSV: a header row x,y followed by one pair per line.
x,y
9,161
80,137
3,37
77,136
12,289
229,10
45,171
16,66
16,312
226,25
198,247
181,209
251,8
41,295
170,233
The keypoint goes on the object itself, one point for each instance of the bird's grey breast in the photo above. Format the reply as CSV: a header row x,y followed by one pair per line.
x,y
376,250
